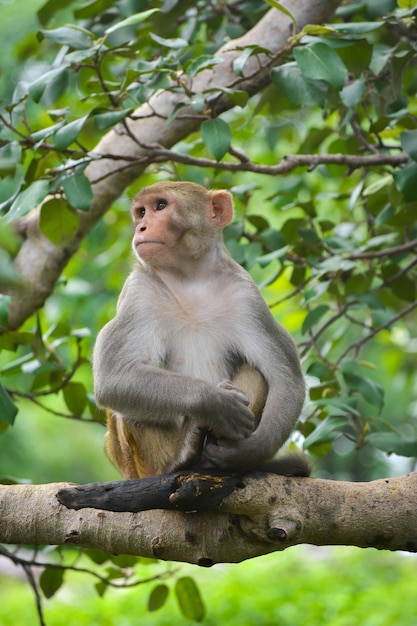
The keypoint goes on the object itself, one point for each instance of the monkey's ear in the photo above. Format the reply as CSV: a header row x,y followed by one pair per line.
x,y
220,208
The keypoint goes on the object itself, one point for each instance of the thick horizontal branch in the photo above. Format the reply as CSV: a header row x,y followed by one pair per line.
x,y
267,513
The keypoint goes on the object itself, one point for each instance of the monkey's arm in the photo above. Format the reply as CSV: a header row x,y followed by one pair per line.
x,y
129,380
272,351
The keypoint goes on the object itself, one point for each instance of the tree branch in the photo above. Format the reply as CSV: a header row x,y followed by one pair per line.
x,y
269,513
289,163
377,254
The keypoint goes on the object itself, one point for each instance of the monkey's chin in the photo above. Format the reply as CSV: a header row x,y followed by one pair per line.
x,y
146,251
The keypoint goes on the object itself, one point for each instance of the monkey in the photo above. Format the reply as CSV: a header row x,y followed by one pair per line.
x,y
194,371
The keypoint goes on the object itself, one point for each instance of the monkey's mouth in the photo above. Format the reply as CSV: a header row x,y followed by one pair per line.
x,y
141,242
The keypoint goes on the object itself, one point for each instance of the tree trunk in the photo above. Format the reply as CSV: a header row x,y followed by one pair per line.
x,y
39,262
266,514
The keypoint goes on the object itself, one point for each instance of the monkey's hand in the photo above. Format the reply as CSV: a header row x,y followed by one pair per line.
x,y
236,456
227,413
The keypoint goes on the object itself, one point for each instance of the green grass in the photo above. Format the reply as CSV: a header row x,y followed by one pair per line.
x,y
304,585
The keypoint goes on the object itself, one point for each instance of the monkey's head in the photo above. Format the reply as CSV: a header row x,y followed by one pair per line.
x,y
178,222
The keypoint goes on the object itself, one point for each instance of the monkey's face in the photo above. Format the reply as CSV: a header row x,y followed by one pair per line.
x,y
178,223
160,229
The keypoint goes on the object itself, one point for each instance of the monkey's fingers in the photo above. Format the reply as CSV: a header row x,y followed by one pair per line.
x,y
237,423
228,386
219,456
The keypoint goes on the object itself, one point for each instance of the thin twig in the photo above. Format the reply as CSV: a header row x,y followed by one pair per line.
x,y
357,345
410,245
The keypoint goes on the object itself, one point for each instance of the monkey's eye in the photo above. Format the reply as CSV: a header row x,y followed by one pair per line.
x,y
140,212
161,204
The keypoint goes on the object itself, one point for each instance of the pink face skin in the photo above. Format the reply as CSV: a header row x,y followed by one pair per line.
x,y
178,228
158,229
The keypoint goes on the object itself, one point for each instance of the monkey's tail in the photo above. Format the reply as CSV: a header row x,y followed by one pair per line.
x,y
290,464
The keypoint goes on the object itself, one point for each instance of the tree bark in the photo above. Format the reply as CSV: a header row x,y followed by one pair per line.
x,y
268,513
39,262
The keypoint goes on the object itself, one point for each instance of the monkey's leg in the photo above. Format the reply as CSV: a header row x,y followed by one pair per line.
x,y
253,385
140,450
117,446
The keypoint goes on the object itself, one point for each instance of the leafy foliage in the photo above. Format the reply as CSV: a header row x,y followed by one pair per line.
x,y
323,167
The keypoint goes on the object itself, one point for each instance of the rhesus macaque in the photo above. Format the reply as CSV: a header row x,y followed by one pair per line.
x,y
193,369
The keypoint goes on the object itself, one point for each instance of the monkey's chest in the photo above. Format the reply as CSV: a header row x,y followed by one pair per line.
x,y
204,339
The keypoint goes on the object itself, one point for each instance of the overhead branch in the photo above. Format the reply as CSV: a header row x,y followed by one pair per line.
x,y
40,262
266,513
289,163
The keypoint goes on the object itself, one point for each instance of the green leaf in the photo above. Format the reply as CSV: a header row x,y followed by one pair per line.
x,y
49,9
90,8
376,185
75,396
266,259
101,588
240,61
353,93
175,43
58,222
51,580
237,96
407,4
44,374
114,573
56,88
9,240
108,119
28,199
69,133
57,77
405,180
319,61
327,431
158,597
409,143
189,599
314,317
8,410
357,28
261,224
297,88
124,560
381,54
72,36
336,263
97,556
317,29
405,288
393,443
369,389
43,133
77,189
136,18
217,137
202,62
